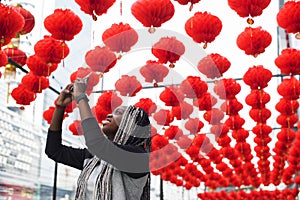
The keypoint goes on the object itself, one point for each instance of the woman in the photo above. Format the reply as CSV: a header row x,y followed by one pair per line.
x,y
116,164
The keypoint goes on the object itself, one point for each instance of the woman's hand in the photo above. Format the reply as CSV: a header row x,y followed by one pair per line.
x,y
80,85
65,97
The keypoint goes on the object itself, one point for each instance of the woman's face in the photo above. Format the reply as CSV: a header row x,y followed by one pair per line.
x,y
112,122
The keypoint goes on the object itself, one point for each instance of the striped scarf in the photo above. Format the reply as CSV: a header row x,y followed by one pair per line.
x,y
132,121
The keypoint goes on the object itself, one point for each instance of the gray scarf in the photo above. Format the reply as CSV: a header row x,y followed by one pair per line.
x,y
133,118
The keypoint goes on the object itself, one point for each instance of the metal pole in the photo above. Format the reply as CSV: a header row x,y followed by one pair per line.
x,y
161,189
54,184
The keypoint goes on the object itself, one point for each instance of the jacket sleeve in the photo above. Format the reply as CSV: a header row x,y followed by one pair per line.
x,y
67,155
132,160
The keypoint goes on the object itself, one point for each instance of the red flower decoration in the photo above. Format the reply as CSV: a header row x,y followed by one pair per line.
x,y
168,49
22,95
147,104
63,24
213,65
260,115
287,107
39,67
109,100
47,114
171,96
288,16
203,27
11,22
16,55
94,8
206,102
254,41
163,117
227,88
28,17
51,50
289,88
76,128
182,111
3,58
257,77
100,59
257,98
154,71
289,61
35,83
152,13
245,8
128,85
193,87
185,2
83,72
120,37
193,125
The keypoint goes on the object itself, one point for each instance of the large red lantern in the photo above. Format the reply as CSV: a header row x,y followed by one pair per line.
x,y
289,61
22,95
11,22
254,41
257,77
94,8
163,117
17,55
109,100
120,37
246,8
28,17
51,50
168,49
83,72
76,128
47,114
193,87
100,59
128,85
288,17
3,58
172,96
213,65
147,104
152,13
39,67
154,72
203,27
35,83
63,24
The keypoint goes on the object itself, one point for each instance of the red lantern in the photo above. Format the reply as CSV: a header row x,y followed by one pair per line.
x,y
227,88
171,96
231,107
147,104
35,83
100,113
257,98
193,87
173,132
163,117
260,115
47,114
245,8
11,22
168,49
213,65
193,125
128,85
76,127
109,101
63,24
203,27
3,58
22,95
182,111
289,61
16,55
154,71
152,13
287,121
70,107
100,59
289,88
40,67
184,142
262,130
254,41
28,17
83,72
120,37
51,50
94,8
213,116
288,17
185,2
287,107
257,77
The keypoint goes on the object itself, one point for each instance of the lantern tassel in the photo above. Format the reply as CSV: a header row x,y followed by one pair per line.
x,y
121,9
